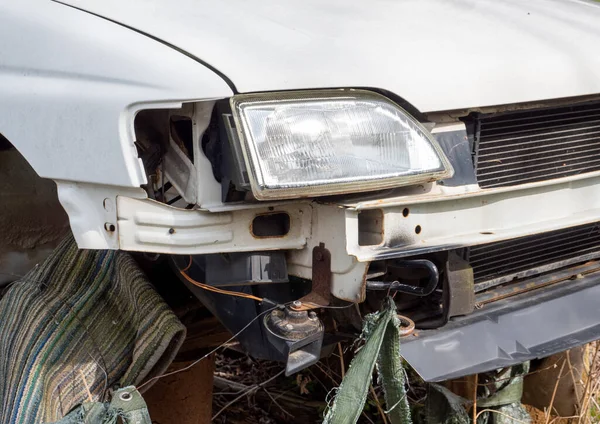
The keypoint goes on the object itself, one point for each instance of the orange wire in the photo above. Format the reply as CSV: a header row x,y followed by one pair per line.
x,y
189,265
214,289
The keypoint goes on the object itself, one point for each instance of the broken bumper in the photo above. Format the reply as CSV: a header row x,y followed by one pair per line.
x,y
509,331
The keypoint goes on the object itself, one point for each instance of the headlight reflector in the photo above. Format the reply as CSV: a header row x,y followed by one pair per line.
x,y
316,143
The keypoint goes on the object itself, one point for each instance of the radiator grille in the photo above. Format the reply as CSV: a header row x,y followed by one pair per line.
x,y
528,146
498,262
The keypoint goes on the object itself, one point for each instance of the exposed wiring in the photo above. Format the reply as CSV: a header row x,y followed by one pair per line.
x,y
189,265
215,289
306,306
225,343
209,353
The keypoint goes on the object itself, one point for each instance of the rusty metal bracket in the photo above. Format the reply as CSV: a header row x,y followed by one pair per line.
x,y
321,277
459,291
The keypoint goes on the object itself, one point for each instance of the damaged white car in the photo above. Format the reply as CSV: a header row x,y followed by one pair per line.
x,y
321,152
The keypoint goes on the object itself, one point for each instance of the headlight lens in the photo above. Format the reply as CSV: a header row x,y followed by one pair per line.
x,y
316,143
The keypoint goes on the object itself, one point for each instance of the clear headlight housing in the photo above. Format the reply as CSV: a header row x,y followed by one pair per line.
x,y
316,143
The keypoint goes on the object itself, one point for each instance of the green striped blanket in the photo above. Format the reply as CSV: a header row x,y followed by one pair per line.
x,y
78,325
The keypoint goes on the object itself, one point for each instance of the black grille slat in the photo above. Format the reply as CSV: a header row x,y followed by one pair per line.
x,y
529,146
541,156
493,137
488,275
511,257
542,174
519,256
566,160
557,114
537,148
519,248
542,257
585,231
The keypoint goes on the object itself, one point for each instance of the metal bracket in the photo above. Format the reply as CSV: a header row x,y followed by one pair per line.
x,y
321,277
459,292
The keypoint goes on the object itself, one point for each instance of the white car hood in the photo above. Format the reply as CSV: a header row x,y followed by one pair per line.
x,y
436,54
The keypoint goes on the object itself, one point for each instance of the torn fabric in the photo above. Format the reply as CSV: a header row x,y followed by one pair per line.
x,y
381,348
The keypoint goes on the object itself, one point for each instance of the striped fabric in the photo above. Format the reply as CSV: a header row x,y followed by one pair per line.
x,y
81,323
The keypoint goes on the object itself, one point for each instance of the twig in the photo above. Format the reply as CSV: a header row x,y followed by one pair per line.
x,y
342,365
299,401
491,383
475,385
593,392
327,373
367,417
277,403
499,413
379,408
341,352
575,386
224,384
584,406
554,391
318,379
251,389
209,353
564,418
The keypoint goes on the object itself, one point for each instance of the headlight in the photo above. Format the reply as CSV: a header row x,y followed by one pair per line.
x,y
315,143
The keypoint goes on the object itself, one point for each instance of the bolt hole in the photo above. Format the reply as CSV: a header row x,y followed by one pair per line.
x,y
125,396
171,230
418,229
110,227
405,212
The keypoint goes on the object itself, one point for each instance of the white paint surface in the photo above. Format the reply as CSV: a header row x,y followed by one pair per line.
x,y
436,54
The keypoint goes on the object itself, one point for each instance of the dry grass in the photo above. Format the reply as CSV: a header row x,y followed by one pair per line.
x,y
243,396
590,408
587,400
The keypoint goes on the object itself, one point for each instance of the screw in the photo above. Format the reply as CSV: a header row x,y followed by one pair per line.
x,y
171,230
289,327
312,315
296,304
